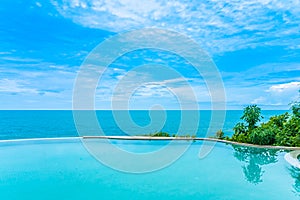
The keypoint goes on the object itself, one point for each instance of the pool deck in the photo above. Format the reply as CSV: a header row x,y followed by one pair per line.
x,y
189,139
292,158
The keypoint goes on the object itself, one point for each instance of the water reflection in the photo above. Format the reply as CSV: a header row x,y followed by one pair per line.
x,y
253,159
295,173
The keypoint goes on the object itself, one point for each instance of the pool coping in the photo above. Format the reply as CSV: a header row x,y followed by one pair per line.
x,y
189,139
157,139
292,158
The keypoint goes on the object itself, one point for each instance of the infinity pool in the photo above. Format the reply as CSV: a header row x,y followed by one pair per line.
x,y
63,169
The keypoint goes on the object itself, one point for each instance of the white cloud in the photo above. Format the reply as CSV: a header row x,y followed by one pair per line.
x,y
264,75
151,90
278,95
19,59
15,86
285,87
38,4
218,25
24,81
259,100
272,85
5,53
141,89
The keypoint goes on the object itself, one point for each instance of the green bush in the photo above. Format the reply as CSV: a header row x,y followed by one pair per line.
x,y
283,130
262,136
240,128
161,134
296,107
220,134
290,134
240,133
278,121
242,137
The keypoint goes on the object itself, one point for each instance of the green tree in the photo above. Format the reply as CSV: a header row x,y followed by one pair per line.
x,y
240,133
278,121
266,133
290,134
283,130
240,128
296,107
252,115
220,134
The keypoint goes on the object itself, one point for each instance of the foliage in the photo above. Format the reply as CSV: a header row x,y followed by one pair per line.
x,y
278,121
290,134
266,133
165,134
242,137
240,128
251,115
262,136
160,134
242,131
282,130
220,134
296,107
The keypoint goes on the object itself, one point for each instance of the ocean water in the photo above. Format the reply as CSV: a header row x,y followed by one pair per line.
x,y
47,124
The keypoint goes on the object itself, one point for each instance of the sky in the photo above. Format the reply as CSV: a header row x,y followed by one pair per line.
x,y
255,45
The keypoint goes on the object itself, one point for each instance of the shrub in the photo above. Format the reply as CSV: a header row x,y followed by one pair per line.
x,y
242,137
239,128
161,134
290,134
262,136
220,134
296,109
278,120
240,133
283,130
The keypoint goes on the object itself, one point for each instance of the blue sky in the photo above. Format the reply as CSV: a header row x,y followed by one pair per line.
x,y
255,45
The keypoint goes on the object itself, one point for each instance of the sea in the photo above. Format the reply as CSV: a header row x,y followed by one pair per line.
x,y
73,168
21,124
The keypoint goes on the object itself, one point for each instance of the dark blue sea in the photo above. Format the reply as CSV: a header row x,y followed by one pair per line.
x,y
19,124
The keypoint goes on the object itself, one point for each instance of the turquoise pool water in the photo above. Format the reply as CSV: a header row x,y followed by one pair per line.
x,y
63,169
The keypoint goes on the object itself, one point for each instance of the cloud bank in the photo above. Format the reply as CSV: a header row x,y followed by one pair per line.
x,y
218,25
